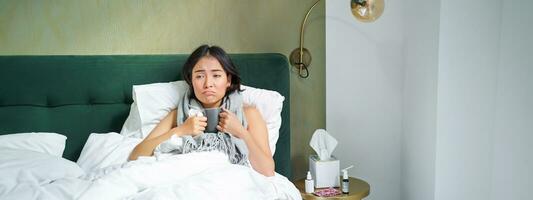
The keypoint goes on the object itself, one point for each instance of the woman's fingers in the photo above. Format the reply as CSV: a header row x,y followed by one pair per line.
x,y
223,114
200,125
228,122
222,121
202,119
201,128
226,112
220,128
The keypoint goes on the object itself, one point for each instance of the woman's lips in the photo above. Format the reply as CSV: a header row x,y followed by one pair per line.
x,y
208,93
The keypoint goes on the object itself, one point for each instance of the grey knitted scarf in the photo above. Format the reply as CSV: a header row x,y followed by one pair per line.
x,y
233,147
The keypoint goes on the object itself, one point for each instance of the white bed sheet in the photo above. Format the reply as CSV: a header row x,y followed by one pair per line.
x,y
205,175
28,174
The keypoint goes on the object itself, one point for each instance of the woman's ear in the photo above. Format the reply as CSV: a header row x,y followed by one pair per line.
x,y
229,81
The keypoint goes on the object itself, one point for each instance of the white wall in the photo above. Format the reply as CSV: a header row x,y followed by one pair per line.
x,y
468,61
454,82
512,164
485,101
420,99
364,94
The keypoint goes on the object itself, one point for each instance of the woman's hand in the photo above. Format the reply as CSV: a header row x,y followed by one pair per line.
x,y
229,123
192,126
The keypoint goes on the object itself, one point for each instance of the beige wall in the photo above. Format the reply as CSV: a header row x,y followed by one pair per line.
x,y
178,26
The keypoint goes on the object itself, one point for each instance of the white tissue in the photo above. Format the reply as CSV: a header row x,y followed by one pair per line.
x,y
195,112
323,144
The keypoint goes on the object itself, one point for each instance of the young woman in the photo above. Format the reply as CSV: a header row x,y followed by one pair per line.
x,y
213,79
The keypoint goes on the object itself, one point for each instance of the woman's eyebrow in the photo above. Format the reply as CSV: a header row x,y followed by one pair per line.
x,y
203,70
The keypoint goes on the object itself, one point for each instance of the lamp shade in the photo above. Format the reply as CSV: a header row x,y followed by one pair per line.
x,y
367,10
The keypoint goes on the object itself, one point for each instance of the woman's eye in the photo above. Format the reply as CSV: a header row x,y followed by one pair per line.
x,y
217,75
198,76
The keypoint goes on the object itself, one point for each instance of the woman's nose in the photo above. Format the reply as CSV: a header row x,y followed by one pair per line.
x,y
208,82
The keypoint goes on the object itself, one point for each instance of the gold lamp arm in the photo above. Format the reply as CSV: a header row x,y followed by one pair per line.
x,y
363,10
302,27
297,55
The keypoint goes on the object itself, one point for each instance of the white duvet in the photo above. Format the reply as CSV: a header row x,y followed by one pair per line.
x,y
205,175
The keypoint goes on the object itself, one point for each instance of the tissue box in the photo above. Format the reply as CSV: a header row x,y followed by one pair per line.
x,y
325,172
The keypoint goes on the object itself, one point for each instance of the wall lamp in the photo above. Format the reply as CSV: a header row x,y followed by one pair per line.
x,y
362,10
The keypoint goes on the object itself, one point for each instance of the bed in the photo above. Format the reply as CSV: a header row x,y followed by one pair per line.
x,y
79,95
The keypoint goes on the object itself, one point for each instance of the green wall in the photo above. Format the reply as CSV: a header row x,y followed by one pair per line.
x,y
178,26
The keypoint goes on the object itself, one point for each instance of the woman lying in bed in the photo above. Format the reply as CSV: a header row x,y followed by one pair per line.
x,y
242,132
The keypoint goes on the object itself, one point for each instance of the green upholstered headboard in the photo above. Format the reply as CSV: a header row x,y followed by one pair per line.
x,y
79,95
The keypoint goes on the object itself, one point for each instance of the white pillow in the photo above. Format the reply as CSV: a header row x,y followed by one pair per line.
x,y
132,125
105,149
154,101
25,165
49,143
270,104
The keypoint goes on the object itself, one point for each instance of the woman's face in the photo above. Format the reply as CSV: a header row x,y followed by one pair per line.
x,y
209,81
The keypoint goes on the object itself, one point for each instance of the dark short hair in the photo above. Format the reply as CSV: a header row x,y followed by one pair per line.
x,y
224,60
